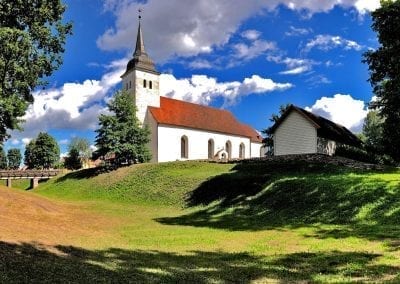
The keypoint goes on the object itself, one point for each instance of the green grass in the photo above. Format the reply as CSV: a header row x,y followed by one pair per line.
x,y
216,223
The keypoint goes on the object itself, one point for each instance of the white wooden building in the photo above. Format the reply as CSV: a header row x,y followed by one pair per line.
x,y
182,130
301,132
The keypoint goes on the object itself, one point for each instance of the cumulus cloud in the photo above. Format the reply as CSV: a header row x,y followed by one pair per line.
x,y
71,106
203,90
187,28
251,34
328,42
342,109
255,49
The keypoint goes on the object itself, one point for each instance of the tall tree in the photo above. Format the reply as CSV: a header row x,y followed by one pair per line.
x,y
42,152
384,66
73,160
373,132
121,134
32,38
14,158
3,159
82,147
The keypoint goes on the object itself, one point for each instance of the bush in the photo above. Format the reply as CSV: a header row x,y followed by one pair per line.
x,y
362,155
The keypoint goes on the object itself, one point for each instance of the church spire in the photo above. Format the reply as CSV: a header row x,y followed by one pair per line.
x,y
139,40
140,61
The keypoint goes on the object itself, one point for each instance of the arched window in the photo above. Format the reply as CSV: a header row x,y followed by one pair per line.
x,y
210,149
262,152
144,83
228,149
241,151
150,84
184,147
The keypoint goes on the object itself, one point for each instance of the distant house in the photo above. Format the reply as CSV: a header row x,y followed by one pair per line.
x,y
301,132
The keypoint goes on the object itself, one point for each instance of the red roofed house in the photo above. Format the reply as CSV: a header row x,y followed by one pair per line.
x,y
182,130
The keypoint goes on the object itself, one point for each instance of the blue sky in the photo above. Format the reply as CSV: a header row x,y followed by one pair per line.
x,y
245,56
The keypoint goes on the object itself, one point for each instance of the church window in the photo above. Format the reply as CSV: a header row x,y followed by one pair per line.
x,y
241,151
144,83
210,149
228,149
184,147
150,85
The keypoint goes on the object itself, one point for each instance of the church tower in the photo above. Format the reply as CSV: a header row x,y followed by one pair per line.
x,y
141,79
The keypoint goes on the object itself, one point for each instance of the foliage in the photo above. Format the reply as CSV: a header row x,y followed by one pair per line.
x,y
42,152
3,159
14,158
384,66
355,153
373,133
121,134
268,141
79,153
73,160
32,38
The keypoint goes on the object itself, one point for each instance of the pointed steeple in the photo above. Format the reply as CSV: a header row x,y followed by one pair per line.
x,y
140,61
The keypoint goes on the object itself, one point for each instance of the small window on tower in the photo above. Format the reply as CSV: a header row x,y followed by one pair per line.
x,y
144,83
150,84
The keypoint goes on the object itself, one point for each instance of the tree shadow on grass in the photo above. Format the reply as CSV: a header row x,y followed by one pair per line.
x,y
257,196
33,263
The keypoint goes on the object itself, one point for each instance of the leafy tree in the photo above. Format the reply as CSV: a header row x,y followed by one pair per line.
x,y
73,160
384,66
269,139
42,152
373,133
82,147
121,134
3,159
14,158
32,38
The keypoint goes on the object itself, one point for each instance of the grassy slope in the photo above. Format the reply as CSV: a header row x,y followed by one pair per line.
x,y
256,222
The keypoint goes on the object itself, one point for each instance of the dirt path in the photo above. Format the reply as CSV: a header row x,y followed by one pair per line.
x,y
25,217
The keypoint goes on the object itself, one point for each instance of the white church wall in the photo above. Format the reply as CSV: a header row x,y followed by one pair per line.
x,y
257,150
143,95
169,143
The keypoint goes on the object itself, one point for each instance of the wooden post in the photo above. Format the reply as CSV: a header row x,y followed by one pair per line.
x,y
34,183
9,184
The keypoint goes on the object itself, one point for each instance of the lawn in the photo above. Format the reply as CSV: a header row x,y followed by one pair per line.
x,y
205,223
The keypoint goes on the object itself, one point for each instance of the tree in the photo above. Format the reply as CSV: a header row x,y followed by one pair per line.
x,y
14,158
42,152
384,66
373,133
121,134
32,38
82,147
268,141
73,160
3,159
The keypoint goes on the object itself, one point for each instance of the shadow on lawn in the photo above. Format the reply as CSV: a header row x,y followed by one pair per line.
x,y
26,262
258,196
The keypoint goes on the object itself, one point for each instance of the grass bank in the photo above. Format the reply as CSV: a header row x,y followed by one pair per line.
x,y
216,223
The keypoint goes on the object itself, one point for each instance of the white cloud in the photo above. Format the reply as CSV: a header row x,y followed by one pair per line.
x,y
26,140
200,64
342,109
255,49
328,42
186,28
297,31
203,90
294,66
251,34
71,106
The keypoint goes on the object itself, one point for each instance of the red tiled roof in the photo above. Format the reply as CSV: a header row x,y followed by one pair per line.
x,y
180,113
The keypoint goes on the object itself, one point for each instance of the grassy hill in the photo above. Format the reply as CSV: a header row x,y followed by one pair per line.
x,y
204,222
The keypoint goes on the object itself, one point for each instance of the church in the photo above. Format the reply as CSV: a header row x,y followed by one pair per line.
x,y
182,130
